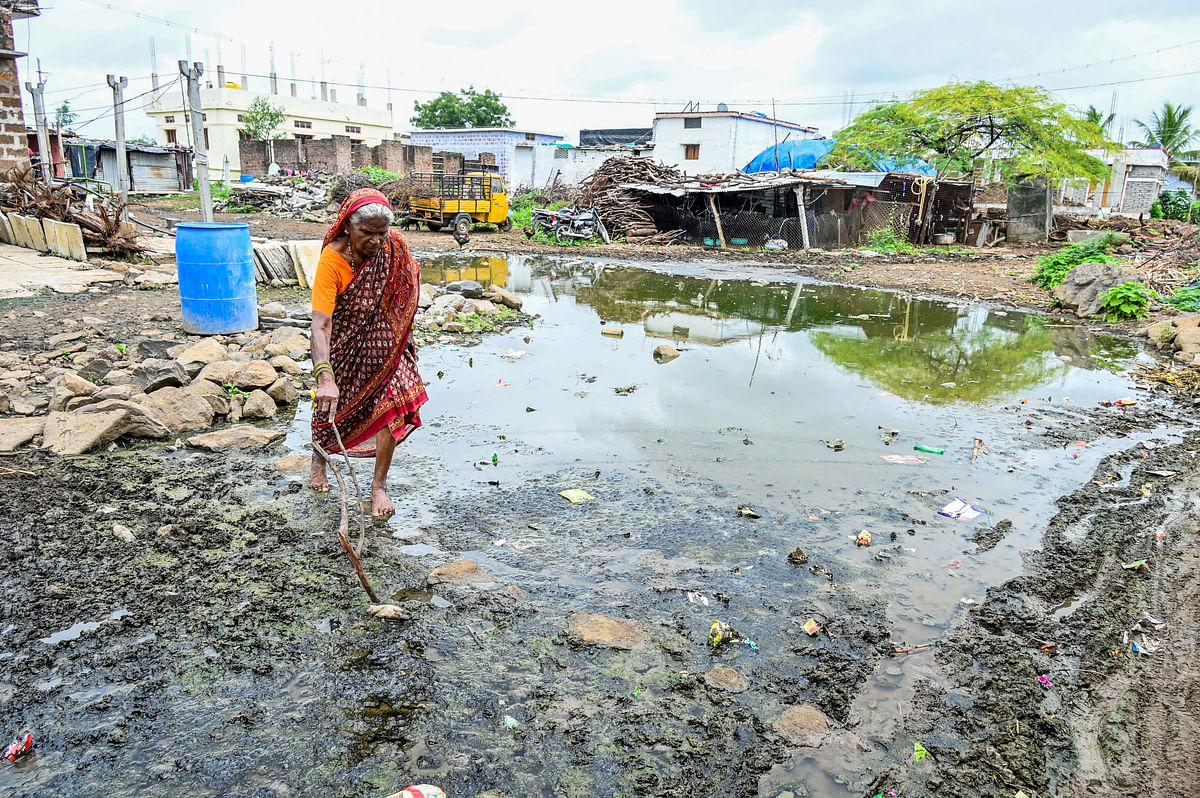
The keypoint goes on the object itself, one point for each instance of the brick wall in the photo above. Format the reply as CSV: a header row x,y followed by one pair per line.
x,y
487,158
14,148
1142,187
452,162
328,155
337,155
361,155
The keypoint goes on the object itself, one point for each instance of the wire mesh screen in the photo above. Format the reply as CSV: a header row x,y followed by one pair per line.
x,y
881,215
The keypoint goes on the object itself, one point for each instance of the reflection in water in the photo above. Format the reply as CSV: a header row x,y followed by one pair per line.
x,y
954,364
488,270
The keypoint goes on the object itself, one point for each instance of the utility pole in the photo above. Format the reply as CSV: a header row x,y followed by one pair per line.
x,y
39,110
118,87
193,72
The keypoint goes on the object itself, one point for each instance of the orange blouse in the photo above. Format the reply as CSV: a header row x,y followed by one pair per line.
x,y
333,275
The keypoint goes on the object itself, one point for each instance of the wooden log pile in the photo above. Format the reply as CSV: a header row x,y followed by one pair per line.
x,y
273,262
99,218
623,212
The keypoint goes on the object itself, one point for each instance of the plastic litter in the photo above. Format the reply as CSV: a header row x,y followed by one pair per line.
x,y
960,510
811,627
929,449
19,748
721,634
746,511
1133,566
837,444
576,495
698,598
514,354
501,384
919,752
1044,681
902,459
420,791
888,435
612,332
863,539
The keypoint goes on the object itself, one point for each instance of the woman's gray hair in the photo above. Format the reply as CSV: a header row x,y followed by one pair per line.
x,y
376,210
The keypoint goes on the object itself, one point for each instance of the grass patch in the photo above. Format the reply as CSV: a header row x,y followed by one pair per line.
x,y
520,207
1052,269
377,174
475,323
886,240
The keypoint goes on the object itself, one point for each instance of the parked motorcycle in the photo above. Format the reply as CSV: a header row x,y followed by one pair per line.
x,y
567,224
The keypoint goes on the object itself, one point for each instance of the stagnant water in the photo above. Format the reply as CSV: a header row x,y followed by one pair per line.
x,y
787,396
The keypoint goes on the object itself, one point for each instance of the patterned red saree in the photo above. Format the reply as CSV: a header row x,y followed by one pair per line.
x,y
375,368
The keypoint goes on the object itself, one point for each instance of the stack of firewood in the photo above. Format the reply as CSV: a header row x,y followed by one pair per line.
x,y
621,210
99,218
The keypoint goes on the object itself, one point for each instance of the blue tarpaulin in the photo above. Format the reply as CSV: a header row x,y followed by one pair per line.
x,y
806,154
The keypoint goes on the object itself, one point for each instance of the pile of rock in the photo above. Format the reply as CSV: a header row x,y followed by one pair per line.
x,y
162,389
1180,335
450,309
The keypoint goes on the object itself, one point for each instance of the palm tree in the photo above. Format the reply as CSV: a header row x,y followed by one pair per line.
x,y
1171,130
1097,118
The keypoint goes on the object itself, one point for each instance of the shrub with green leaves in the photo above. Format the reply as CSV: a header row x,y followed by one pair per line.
x,y
1130,300
886,239
377,174
1052,269
1175,204
1186,299
1156,210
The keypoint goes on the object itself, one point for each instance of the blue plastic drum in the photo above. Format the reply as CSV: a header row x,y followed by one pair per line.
x,y
216,278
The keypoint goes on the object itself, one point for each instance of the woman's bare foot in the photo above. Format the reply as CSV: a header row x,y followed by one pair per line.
x,y
318,479
381,505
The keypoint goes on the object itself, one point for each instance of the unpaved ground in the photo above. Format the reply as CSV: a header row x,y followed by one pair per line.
x,y
234,658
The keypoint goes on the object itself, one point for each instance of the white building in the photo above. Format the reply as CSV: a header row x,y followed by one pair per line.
x,y
511,147
225,105
542,165
1136,177
706,142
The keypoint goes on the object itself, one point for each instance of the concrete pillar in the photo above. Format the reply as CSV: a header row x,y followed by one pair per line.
x,y
220,76
324,92
274,84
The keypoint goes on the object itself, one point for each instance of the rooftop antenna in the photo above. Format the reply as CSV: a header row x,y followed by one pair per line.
x,y
245,79
1112,109
362,81
153,65
187,46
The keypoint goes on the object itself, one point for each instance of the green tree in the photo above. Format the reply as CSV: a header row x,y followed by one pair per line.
x,y
64,116
467,108
144,139
953,126
1102,122
1170,129
261,120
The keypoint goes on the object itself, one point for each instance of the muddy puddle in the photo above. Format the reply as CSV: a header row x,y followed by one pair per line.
x,y
800,402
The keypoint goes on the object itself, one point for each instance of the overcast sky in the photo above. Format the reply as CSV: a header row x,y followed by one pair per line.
x,y
562,66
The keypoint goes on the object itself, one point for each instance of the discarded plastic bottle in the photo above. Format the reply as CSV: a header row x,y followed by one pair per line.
x,y
495,458
928,449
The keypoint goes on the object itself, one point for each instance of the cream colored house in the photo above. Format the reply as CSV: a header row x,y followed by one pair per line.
x,y
223,110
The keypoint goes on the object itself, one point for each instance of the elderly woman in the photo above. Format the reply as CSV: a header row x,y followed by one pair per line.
x,y
364,299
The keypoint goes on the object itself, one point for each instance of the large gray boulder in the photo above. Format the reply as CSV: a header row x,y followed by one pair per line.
x,y
1081,289
76,433
180,409
154,373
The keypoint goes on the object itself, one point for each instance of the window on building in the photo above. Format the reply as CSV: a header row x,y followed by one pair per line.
x,y
203,117
530,136
170,120
241,118
207,146
356,142
690,122
243,136
302,137
171,135
560,152
301,123
353,129
691,152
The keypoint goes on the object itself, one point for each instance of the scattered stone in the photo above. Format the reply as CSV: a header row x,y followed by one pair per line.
x,y
123,392
242,436
212,393
1080,290
5,403
76,433
206,350
798,556
503,296
482,307
389,611
665,354
726,678
77,385
235,407
67,337
468,288
272,310
255,374
98,366
220,372
141,423
293,464
427,294
286,365
171,531
454,327
123,533
155,278
153,374
76,402
624,390
283,392
156,348
803,725
461,571
452,302
16,432
120,377
258,405
594,629
181,410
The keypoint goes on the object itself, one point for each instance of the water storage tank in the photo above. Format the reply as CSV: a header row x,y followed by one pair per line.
x,y
216,278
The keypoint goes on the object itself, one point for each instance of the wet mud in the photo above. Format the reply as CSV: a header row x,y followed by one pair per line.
x,y
233,654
